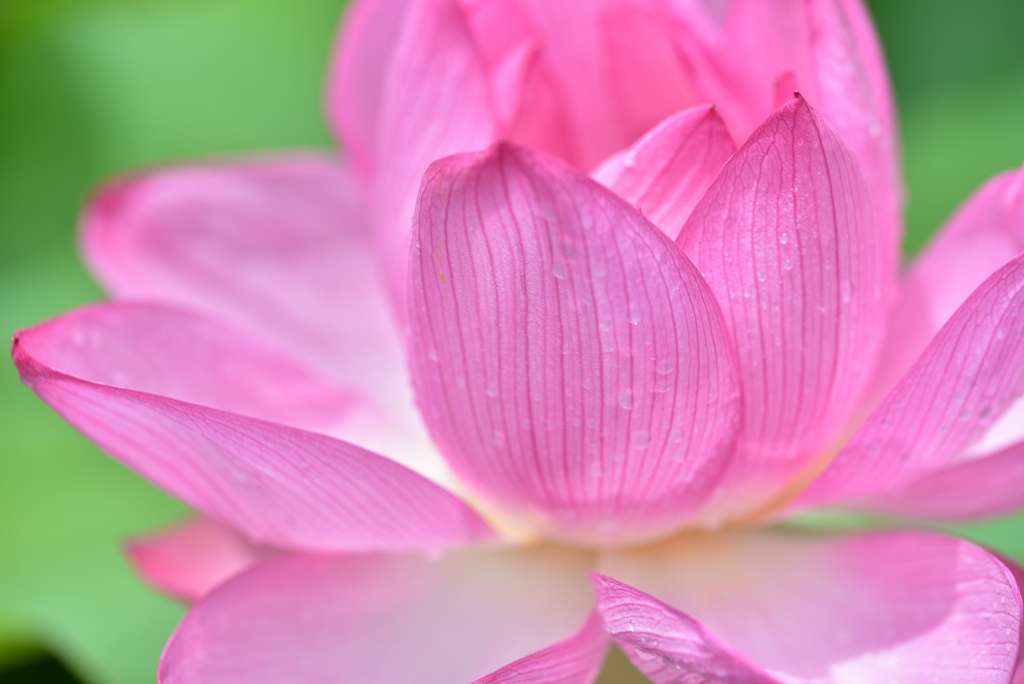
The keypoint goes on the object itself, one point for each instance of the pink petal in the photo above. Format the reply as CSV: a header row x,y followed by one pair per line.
x,y
648,80
598,75
381,619
983,235
830,49
1018,575
277,246
570,362
170,352
163,391
794,607
666,644
852,92
576,660
786,238
359,68
969,375
191,559
666,172
436,102
967,490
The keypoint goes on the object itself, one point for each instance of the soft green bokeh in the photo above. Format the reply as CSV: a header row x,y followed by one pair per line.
x,y
90,88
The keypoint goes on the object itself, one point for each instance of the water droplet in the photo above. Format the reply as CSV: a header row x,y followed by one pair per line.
x,y
783,239
491,389
595,469
645,655
432,355
629,159
559,269
627,399
665,366
634,315
845,291
640,440
663,386
787,264
526,424
498,438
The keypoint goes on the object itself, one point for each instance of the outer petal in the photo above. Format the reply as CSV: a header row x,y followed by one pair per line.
x,y
967,490
193,558
276,246
576,660
668,170
666,644
359,67
436,102
983,235
130,378
165,351
786,238
968,377
570,362
872,608
380,619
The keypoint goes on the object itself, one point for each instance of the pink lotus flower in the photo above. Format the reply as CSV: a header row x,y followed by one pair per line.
x,y
633,394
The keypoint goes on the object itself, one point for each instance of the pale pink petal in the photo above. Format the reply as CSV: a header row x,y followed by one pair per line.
x,y
569,360
381,619
278,246
1018,575
667,645
359,67
140,382
192,558
436,102
983,235
968,490
786,238
576,660
175,353
800,607
967,378
668,170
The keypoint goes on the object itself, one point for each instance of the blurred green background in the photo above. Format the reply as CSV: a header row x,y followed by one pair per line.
x,y
90,88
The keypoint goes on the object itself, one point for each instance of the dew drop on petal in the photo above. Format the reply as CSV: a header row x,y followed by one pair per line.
x,y
640,439
845,291
627,398
559,269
